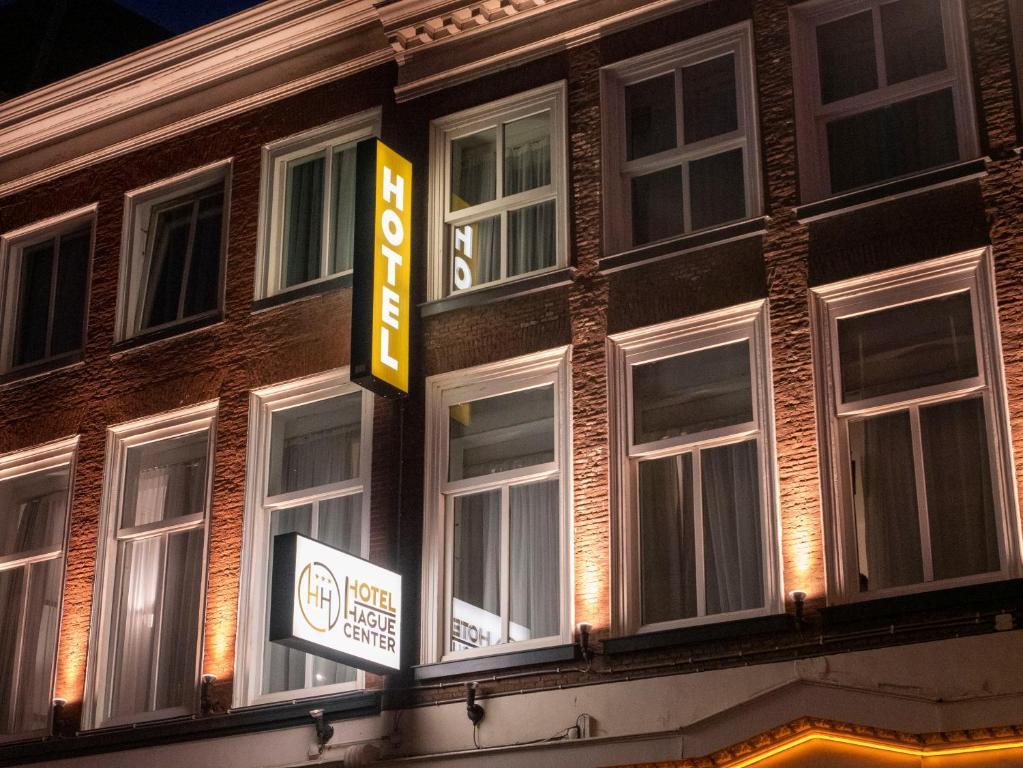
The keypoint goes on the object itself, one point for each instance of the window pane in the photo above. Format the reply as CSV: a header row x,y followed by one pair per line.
x,y
40,644
960,506
69,306
303,221
165,480
342,237
476,571
156,620
12,598
475,253
32,512
315,444
884,501
531,238
535,562
914,41
692,393
717,190
909,136
527,153
731,528
167,255
501,433
203,283
650,116
34,303
657,206
708,99
474,169
667,539
845,57
283,668
904,348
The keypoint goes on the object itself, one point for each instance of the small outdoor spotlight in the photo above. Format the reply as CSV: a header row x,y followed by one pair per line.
x,y
206,693
473,710
799,600
583,630
324,730
56,716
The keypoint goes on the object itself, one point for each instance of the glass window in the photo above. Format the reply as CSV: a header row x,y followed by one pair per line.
x,y
174,261
892,91
47,283
498,175
499,523
685,158
33,521
312,441
147,663
915,425
693,490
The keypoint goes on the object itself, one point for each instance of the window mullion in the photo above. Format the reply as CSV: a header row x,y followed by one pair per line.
x,y
698,554
505,571
882,69
679,111
921,494
687,213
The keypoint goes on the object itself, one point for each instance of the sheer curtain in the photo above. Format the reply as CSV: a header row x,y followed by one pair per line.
x,y
731,528
474,175
527,165
303,222
343,235
887,518
535,560
477,562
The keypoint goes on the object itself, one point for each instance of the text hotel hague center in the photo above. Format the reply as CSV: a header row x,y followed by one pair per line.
x,y
519,383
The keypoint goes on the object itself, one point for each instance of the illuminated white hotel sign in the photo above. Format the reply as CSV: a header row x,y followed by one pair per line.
x,y
335,605
381,282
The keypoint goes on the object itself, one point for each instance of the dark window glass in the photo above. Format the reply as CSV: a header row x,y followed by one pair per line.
x,y
657,205
845,57
708,99
906,137
34,303
717,192
303,222
650,116
914,41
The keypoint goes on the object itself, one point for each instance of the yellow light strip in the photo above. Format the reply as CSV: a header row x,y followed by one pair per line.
x,y
873,745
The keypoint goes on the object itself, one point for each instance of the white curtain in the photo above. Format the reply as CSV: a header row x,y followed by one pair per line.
x,y
477,556
535,561
303,222
40,643
886,504
731,528
12,584
343,237
474,178
667,539
527,165
319,458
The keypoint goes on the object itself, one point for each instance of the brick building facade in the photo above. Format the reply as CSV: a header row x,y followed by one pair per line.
x,y
829,658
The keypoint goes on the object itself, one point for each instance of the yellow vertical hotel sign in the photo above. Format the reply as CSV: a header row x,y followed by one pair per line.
x,y
381,297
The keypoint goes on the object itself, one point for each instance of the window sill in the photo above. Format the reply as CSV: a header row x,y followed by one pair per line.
x,y
988,595
171,331
497,661
554,278
722,630
665,249
192,728
892,190
42,368
302,291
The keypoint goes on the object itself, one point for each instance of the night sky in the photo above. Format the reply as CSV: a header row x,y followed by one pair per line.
x,y
182,15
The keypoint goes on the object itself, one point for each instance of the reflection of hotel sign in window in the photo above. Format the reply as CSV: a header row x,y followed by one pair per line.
x,y
381,280
335,605
473,627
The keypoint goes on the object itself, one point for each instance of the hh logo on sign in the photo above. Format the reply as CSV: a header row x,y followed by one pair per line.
x,y
319,597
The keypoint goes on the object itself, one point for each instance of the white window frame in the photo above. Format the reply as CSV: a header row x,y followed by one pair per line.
x,y
812,117
273,183
120,439
443,131
971,271
548,368
745,322
61,453
619,171
138,209
12,245
256,543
